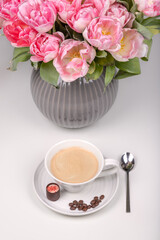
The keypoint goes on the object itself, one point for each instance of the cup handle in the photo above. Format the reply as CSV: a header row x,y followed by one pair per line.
x,y
111,166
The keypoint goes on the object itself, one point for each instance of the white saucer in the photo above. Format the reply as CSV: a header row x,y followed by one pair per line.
x,y
103,186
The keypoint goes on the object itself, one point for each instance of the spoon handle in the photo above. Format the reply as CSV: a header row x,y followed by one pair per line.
x,y
128,195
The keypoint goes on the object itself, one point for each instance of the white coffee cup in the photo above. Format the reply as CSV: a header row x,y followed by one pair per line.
x,y
105,166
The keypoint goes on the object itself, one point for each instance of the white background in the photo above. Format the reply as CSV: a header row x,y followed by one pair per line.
x,y
133,124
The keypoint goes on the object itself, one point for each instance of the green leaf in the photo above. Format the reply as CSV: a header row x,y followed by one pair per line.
x,y
101,61
110,59
36,65
96,74
101,54
133,8
143,30
19,55
110,71
152,24
139,17
130,2
150,21
19,51
121,74
154,29
107,61
131,66
92,67
149,43
49,73
125,3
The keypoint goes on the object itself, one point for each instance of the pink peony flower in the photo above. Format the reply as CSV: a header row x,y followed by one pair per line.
x,y
80,18
18,33
101,5
120,11
9,8
150,8
131,46
73,58
38,14
66,6
46,46
104,33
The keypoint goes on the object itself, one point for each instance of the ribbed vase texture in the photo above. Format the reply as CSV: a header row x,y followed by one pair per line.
x,y
76,104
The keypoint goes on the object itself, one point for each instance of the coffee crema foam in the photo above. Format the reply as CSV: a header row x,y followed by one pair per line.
x,y
74,165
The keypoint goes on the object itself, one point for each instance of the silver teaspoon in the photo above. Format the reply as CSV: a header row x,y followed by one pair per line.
x,y
127,163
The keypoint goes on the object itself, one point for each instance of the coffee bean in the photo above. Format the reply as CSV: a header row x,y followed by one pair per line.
x,y
75,202
93,206
89,206
92,202
84,209
95,198
80,207
85,205
102,197
96,204
80,202
75,205
73,208
71,204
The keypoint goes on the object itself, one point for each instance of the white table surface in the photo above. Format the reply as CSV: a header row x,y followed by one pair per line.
x,y
133,124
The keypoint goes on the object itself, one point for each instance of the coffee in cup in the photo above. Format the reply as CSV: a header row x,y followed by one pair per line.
x,y
74,165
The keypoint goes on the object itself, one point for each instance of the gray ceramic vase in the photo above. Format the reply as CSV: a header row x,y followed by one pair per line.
x,y
76,104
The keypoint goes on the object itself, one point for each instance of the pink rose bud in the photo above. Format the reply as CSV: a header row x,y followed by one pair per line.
x,y
73,58
150,8
45,46
80,18
38,14
120,11
18,33
131,46
104,33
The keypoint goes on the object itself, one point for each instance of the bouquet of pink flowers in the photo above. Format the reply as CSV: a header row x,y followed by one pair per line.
x,y
76,38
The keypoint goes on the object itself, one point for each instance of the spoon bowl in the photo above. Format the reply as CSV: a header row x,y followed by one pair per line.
x,y
127,162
